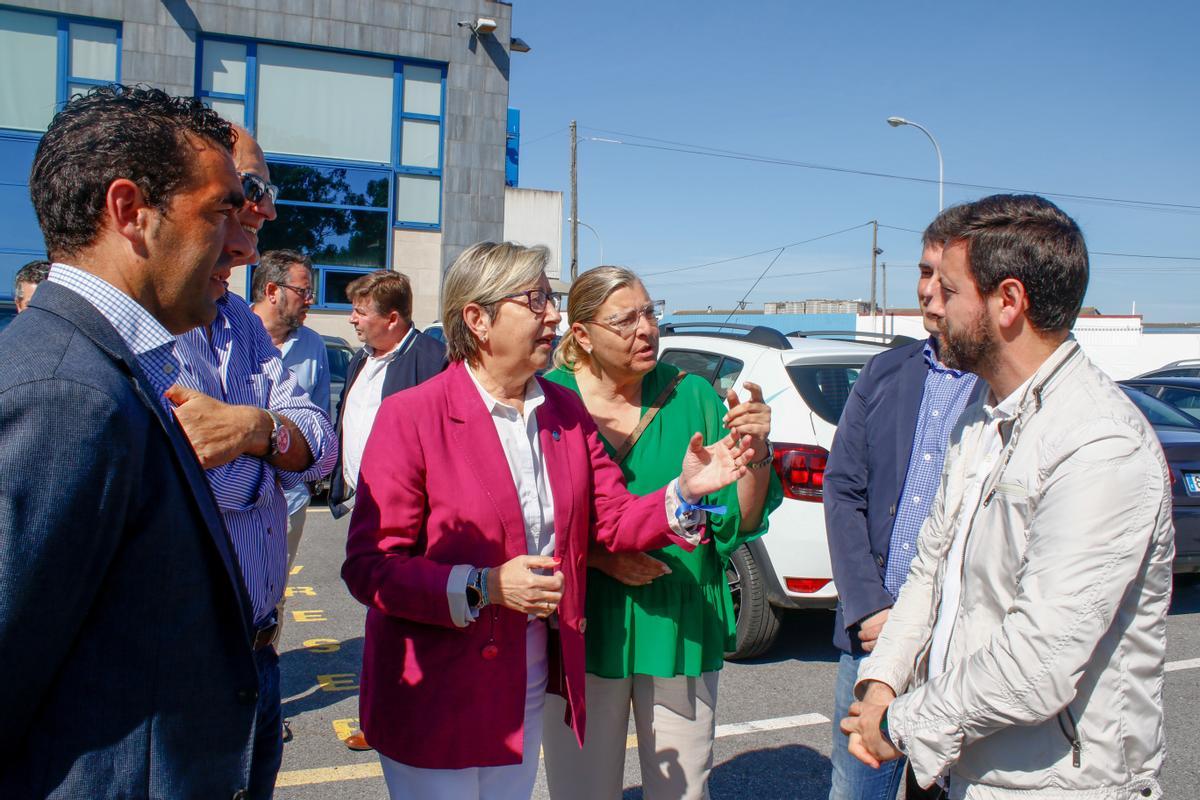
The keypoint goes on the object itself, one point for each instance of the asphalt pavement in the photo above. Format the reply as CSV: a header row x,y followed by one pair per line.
x,y
773,713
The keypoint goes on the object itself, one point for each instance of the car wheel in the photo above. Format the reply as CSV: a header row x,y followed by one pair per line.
x,y
758,621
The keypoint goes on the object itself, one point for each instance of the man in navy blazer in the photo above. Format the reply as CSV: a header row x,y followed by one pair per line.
x,y
395,356
880,480
124,628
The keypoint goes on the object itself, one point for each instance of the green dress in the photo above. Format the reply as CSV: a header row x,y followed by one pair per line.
x,y
681,623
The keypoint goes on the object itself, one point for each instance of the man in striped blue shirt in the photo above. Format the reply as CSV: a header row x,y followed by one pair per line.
x,y
883,471
257,434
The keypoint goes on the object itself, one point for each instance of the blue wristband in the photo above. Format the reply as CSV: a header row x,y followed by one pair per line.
x,y
686,508
483,592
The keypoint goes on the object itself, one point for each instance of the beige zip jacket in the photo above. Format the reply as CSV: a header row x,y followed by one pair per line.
x,y
1054,678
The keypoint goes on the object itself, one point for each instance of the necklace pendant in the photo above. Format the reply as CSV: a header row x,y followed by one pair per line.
x,y
490,651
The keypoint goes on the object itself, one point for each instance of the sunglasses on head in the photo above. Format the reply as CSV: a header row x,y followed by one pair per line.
x,y
255,188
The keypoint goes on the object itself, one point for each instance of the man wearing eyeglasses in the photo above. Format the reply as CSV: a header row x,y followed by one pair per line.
x,y
281,292
257,433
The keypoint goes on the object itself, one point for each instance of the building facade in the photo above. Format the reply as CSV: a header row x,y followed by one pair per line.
x,y
385,123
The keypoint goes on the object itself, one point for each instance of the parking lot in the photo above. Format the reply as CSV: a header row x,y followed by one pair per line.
x,y
774,726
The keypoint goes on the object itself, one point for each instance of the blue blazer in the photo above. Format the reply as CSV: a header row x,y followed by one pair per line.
x,y
423,359
864,478
125,633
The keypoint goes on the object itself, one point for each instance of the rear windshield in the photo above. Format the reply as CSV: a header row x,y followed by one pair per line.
x,y
1156,411
825,387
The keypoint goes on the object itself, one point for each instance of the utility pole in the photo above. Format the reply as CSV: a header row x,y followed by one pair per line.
x,y
574,208
883,269
874,252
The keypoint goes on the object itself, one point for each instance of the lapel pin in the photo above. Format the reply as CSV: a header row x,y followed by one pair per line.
x,y
555,435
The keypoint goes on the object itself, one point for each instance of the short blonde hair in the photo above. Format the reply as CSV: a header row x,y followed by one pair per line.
x,y
588,293
484,273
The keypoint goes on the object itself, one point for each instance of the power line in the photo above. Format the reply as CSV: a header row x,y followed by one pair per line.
x,y
702,150
741,303
527,142
758,253
1090,252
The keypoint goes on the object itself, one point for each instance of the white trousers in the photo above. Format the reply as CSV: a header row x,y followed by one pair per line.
x,y
513,782
675,720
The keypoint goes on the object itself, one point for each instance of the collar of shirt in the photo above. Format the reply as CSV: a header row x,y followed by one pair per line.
x,y
933,361
136,326
534,397
1007,408
395,351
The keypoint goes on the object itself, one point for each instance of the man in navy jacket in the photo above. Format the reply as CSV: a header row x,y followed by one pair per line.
x,y
124,627
881,477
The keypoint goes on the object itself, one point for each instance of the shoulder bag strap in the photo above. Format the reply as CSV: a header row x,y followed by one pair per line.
x,y
647,418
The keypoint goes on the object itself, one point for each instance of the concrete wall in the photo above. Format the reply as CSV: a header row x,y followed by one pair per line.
x,y
535,216
159,49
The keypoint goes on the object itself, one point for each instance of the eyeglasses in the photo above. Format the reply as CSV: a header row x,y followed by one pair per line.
x,y
255,188
538,299
307,294
625,323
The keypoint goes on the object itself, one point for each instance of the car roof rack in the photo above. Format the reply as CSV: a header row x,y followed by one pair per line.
x,y
885,339
755,334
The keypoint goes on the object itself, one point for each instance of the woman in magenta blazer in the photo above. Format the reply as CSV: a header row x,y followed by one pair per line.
x,y
480,492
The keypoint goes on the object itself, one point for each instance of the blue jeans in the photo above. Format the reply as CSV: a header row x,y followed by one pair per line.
x,y
268,727
852,779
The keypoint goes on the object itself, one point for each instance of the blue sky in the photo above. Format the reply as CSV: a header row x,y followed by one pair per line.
x,y
1096,98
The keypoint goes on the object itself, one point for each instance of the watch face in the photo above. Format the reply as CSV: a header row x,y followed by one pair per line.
x,y
283,439
473,596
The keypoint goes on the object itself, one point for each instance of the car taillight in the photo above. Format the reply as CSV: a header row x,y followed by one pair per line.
x,y
806,585
801,469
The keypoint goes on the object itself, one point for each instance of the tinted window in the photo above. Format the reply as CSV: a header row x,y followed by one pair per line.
x,y
727,375
825,387
693,362
1156,411
1187,400
339,360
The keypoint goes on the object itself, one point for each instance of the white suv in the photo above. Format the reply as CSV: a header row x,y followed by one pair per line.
x,y
805,380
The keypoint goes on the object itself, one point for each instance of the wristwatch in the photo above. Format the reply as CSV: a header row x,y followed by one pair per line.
x,y
281,437
477,596
762,462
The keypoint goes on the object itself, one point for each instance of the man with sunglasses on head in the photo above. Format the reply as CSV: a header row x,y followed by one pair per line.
x,y
258,434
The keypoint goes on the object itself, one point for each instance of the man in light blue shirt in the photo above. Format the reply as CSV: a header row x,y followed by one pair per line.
x,y
281,292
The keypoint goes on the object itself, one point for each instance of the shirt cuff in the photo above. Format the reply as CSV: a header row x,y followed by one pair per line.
x,y
687,525
456,594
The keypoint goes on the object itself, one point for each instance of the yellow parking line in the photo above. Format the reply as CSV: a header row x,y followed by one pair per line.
x,y
351,772
303,777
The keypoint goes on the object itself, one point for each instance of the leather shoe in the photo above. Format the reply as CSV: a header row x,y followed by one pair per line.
x,y
357,741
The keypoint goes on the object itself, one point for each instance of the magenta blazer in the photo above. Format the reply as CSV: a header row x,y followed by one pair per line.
x,y
435,490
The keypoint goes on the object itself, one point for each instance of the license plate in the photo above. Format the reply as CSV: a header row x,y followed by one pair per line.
x,y
1192,481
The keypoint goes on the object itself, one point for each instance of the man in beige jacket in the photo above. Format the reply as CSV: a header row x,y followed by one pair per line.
x,y
1024,656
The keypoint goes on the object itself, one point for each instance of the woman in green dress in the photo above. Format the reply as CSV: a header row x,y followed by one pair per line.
x,y
658,624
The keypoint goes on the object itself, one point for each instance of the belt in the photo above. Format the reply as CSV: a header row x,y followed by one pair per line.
x,y
265,636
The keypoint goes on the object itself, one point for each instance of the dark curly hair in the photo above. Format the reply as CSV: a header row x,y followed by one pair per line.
x,y
113,132
1026,237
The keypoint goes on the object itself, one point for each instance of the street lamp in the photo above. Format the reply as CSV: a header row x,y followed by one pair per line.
x,y
593,230
896,122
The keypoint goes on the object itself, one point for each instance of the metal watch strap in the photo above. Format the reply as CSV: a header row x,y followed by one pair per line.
x,y
762,462
276,425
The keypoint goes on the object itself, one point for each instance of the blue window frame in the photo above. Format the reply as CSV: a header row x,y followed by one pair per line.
x,y
416,148
58,55
336,213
